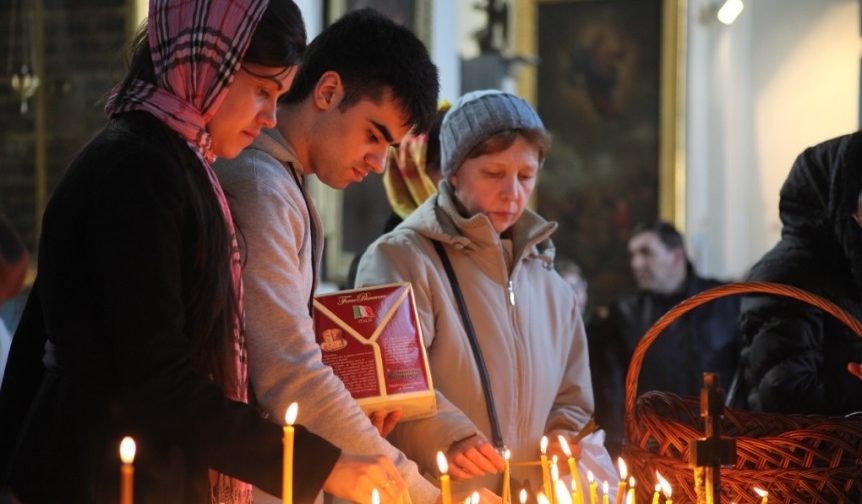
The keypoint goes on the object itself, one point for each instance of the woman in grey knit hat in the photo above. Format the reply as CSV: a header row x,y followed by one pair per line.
x,y
527,328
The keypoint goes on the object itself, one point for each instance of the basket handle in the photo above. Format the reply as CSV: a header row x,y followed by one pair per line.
x,y
716,292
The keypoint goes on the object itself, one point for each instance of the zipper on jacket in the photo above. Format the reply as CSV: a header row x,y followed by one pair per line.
x,y
511,288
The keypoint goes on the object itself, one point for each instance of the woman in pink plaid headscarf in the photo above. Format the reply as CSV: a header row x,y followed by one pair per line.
x,y
135,322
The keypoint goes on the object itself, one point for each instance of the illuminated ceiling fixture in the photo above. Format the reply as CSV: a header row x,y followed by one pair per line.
x,y
728,12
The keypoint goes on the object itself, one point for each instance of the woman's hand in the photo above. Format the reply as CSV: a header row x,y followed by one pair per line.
x,y
473,456
354,476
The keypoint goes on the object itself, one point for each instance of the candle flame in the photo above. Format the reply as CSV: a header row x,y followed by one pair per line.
x,y
474,498
541,499
760,492
375,496
442,463
665,486
522,496
631,481
127,450
590,476
657,488
605,487
543,445
555,472
624,471
292,411
565,445
507,454
562,493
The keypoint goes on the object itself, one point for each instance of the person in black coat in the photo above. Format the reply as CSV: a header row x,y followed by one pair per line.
x,y
134,323
704,340
796,357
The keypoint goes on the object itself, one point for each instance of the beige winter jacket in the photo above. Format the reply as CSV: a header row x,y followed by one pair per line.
x,y
526,320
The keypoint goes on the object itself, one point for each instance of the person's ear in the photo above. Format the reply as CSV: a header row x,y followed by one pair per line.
x,y
329,91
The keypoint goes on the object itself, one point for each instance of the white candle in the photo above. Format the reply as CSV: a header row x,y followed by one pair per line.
x,y
665,488
445,487
764,495
507,492
594,488
287,476
127,471
577,491
631,497
621,486
546,476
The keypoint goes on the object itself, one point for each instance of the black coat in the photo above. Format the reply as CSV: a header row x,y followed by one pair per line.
x,y
705,339
795,356
122,250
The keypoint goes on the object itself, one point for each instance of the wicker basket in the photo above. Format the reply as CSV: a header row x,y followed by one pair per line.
x,y
797,458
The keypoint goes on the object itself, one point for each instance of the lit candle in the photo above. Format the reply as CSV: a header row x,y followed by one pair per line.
x,y
287,476
577,493
507,492
522,496
375,496
606,499
445,488
127,471
594,488
656,495
621,486
665,488
555,476
764,495
542,499
474,497
630,496
546,475
561,493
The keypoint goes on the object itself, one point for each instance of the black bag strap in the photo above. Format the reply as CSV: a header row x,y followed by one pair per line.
x,y
474,345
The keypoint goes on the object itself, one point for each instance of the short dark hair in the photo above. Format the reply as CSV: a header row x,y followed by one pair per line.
x,y
371,54
540,139
666,232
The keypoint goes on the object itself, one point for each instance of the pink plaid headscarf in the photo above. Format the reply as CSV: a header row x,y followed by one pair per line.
x,y
197,47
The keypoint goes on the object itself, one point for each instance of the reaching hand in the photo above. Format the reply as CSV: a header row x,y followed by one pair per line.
x,y
855,369
385,422
354,476
473,456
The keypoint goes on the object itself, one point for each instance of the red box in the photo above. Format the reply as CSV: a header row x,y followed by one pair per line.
x,y
372,340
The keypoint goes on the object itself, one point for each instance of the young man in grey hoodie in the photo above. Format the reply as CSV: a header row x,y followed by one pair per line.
x,y
363,83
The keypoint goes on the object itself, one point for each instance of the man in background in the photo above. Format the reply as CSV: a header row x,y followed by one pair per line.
x,y
704,340
13,271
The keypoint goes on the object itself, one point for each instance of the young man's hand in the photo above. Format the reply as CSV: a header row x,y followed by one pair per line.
x,y
385,422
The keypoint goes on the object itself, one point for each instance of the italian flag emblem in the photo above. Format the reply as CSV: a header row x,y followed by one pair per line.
x,y
362,311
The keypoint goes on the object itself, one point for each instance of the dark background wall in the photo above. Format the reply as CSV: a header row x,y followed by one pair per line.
x,y
82,56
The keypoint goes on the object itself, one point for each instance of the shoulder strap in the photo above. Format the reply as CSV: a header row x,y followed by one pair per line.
x,y
474,344
313,237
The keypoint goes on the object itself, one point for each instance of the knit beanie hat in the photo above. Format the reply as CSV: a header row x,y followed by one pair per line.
x,y
477,116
